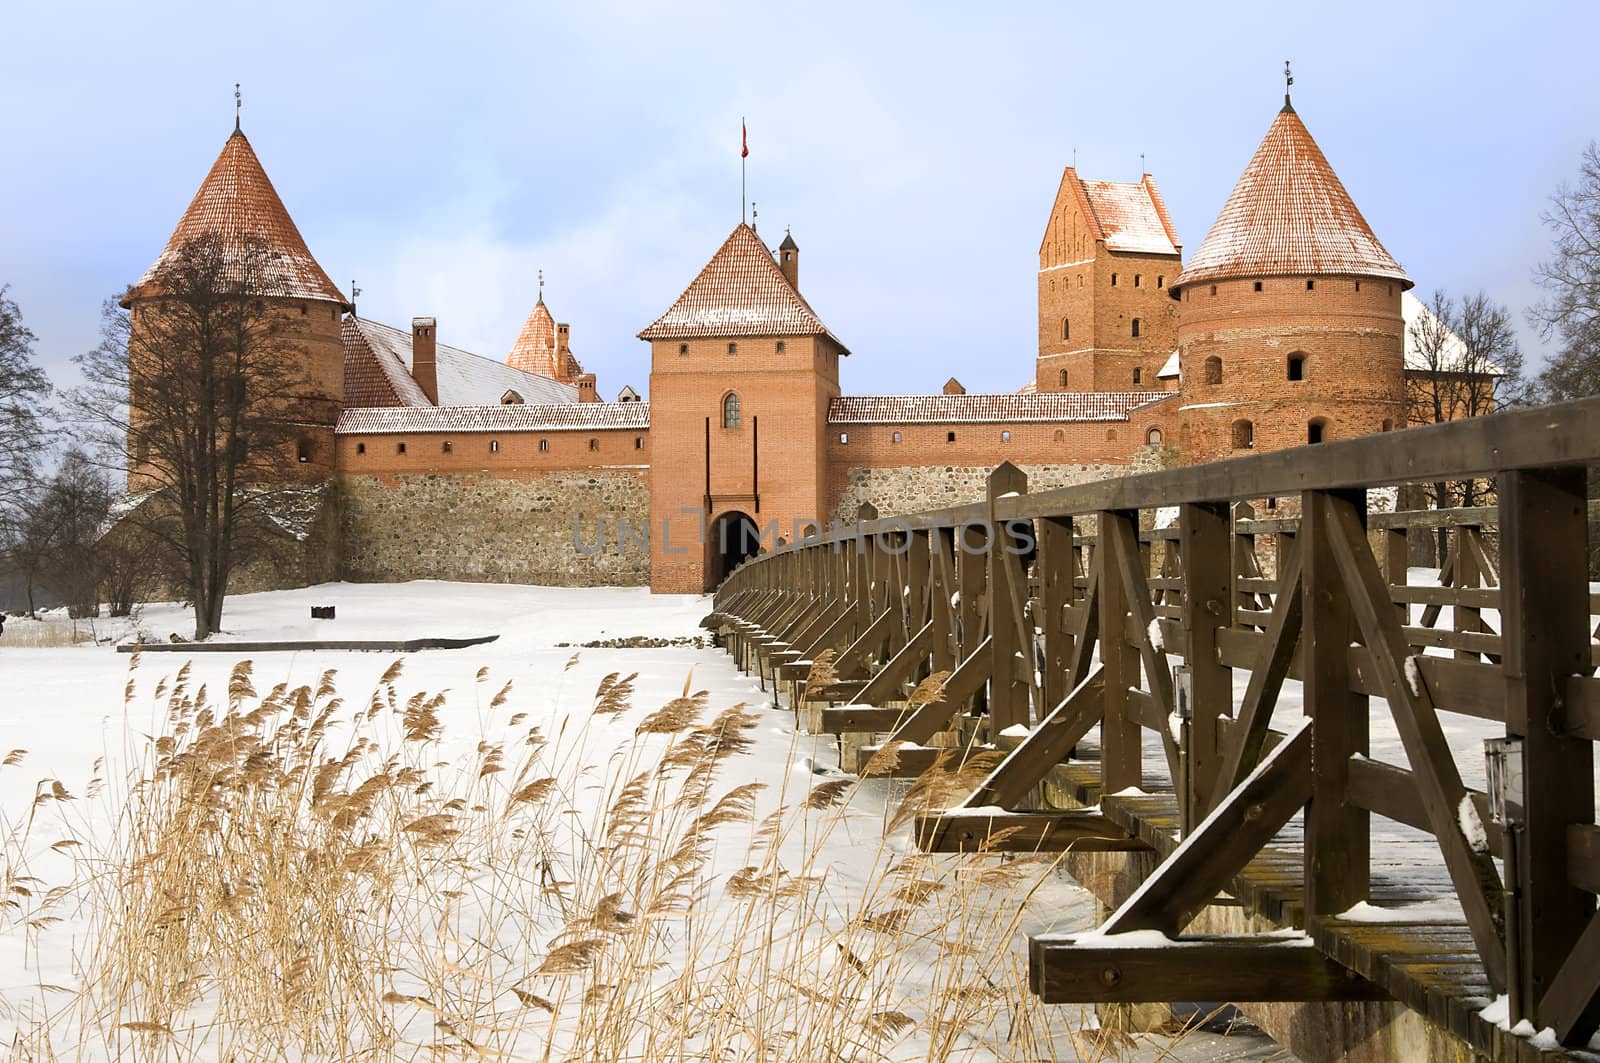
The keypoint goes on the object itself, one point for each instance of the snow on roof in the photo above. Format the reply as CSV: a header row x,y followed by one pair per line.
x,y
237,204
981,409
558,417
1454,354
1289,214
740,292
1169,368
1131,216
465,379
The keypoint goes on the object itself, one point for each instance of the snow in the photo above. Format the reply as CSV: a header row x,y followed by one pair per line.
x,y
1016,730
1472,825
1442,910
1130,791
1413,676
1157,640
1175,726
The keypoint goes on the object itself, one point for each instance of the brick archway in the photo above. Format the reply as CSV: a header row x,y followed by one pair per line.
x,y
733,537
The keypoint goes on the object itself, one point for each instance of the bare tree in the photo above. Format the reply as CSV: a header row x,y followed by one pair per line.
x,y
73,507
25,541
203,386
23,390
1571,311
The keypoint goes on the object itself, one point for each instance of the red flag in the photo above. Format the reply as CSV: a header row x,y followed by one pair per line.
x,y
744,141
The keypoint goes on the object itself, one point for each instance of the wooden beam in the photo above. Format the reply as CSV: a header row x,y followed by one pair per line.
x,y
861,719
991,830
1204,549
1045,747
1571,1006
1391,792
1243,749
1583,856
1121,753
1222,844
1105,970
1433,764
886,683
959,689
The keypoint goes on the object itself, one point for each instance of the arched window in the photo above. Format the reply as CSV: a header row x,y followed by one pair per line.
x,y
1316,431
1153,437
1244,435
1135,328
1297,367
1005,435
1063,376
897,437
1213,370
730,410
1138,375
1066,329
303,449
594,444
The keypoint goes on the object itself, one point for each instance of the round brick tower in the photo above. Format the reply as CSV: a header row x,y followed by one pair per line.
x,y
1289,323
237,207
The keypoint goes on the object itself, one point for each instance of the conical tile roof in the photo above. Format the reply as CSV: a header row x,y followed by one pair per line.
x,y
1289,214
237,203
741,292
535,348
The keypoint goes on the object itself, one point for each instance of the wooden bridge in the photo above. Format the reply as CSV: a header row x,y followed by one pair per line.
x,y
1246,719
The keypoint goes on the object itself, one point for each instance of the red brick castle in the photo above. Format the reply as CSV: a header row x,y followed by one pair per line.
x,y
1286,327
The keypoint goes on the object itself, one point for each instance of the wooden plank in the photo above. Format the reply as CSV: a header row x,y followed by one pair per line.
x,y
853,659
1121,755
1571,1006
959,689
1545,616
1337,833
1438,779
1101,970
1391,792
1222,844
989,830
1048,745
887,683
1242,751
1583,856
1204,545
1056,577
1157,672
861,719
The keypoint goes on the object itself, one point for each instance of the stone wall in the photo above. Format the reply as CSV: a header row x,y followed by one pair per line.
x,y
495,530
909,489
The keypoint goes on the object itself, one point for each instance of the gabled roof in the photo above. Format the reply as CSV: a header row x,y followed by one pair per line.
x,y
1289,214
1453,355
1125,216
378,373
740,292
237,204
557,417
981,409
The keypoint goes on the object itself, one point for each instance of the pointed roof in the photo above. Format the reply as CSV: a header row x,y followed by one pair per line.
x,y
1126,216
740,292
1289,214
237,204
378,366
535,348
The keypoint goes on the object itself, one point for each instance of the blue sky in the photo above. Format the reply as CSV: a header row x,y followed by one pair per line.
x,y
441,154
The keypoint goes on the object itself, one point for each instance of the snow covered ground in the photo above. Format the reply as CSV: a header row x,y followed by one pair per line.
x,y
71,714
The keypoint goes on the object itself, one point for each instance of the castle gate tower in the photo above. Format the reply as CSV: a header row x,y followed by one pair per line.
x,y
1289,322
741,374
238,209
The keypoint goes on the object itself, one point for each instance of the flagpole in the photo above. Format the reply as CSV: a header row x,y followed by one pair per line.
x,y
743,151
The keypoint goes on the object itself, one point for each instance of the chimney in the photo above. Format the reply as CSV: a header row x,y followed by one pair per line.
x,y
587,392
789,260
424,357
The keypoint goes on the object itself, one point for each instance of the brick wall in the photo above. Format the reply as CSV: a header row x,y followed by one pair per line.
x,y
1352,341
494,529
514,455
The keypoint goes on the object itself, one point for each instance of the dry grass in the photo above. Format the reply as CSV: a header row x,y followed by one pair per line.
x,y
291,876
47,632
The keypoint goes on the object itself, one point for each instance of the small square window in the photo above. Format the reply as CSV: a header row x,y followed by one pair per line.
x,y
949,437
683,348
780,346
1138,375
1310,284
1213,289
638,442
896,437
447,446
1258,286
361,448
844,437
1005,435
733,348
594,444
399,448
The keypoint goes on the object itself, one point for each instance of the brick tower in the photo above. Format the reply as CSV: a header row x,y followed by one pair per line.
x,y
238,208
544,347
741,374
1108,254
1289,320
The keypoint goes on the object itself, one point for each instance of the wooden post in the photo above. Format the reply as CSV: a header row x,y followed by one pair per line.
x,y
1121,757
1337,833
942,585
1008,691
1544,613
1204,550
1468,577
1057,578
1396,560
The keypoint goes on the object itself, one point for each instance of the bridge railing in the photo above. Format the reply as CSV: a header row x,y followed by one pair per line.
x,y
1098,613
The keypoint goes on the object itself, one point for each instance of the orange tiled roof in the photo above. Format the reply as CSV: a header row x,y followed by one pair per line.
x,y
740,292
535,348
237,203
373,376
558,417
377,372
1128,216
981,409
1289,214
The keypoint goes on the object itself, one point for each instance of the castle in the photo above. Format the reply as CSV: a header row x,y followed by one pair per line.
x,y
1286,327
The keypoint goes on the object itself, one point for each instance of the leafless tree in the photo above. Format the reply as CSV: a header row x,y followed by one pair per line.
x,y
1570,312
202,385
72,508
23,391
1465,362
25,542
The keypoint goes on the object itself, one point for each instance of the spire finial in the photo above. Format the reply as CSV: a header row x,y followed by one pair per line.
x,y
753,216
238,105
355,293
541,287
1288,83
1142,170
